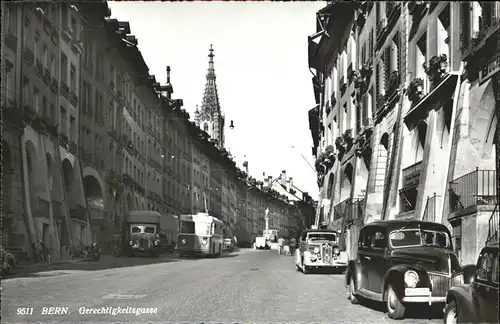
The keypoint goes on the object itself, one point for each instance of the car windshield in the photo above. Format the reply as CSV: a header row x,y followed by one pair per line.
x,y
322,237
420,237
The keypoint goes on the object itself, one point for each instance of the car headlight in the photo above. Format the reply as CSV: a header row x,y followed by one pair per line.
x,y
316,250
204,242
411,278
336,251
156,242
131,242
183,241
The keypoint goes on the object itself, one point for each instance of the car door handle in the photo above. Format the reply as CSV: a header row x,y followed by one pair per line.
x,y
367,258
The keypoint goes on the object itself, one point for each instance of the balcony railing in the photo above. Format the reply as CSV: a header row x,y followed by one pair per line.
x,y
411,174
493,226
473,189
431,208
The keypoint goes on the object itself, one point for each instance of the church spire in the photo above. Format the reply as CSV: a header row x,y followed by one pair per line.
x,y
211,69
210,115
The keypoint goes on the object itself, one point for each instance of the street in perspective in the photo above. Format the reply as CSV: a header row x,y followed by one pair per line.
x,y
323,162
246,285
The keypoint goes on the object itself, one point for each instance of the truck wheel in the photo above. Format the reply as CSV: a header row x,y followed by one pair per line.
x,y
395,308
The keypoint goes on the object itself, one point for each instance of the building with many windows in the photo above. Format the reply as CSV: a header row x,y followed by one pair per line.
x,y
415,137
89,135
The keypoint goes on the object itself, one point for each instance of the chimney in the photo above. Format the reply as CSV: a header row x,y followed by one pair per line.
x,y
266,182
289,184
168,74
283,177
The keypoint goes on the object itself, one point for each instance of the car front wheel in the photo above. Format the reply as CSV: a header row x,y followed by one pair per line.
x,y
395,307
450,313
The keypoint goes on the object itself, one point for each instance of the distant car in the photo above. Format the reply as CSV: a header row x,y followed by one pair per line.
x,y
319,249
403,262
262,243
477,301
8,261
228,245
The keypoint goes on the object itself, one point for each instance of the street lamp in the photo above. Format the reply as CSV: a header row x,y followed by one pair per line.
x,y
232,124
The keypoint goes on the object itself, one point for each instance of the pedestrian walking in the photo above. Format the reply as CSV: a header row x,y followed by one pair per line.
x,y
293,246
281,243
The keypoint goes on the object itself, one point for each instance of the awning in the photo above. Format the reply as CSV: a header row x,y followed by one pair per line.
x,y
314,124
434,100
316,89
314,62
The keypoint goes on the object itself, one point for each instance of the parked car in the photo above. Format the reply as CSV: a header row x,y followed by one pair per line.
x,y
319,249
228,245
8,261
401,262
476,302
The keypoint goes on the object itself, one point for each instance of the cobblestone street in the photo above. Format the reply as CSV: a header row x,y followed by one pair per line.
x,y
248,285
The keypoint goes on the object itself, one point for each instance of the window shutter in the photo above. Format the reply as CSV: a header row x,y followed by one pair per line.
x,y
386,66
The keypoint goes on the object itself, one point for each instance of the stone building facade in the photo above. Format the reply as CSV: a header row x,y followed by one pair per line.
x,y
424,138
88,135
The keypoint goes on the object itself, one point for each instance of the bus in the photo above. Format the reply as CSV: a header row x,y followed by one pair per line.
x,y
200,234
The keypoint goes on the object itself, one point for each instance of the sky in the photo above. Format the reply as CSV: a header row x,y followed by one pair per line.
x,y
263,79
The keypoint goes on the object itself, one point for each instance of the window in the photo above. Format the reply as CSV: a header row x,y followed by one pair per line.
x,y
64,68
44,106
187,227
36,99
485,266
494,271
421,57
27,41
73,78
74,27
52,65
36,50
9,83
72,125
63,120
99,68
379,241
65,16
365,239
45,57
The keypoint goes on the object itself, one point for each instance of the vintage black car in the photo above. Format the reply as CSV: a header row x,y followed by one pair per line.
x,y
476,302
403,262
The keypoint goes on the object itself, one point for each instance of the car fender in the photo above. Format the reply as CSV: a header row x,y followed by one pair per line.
x,y
395,276
469,271
462,295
